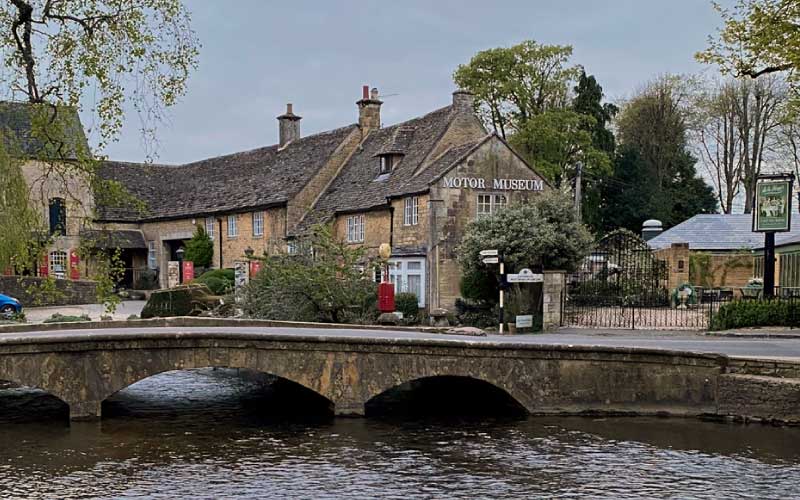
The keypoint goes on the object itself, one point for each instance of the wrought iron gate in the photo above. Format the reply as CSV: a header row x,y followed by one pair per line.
x,y
621,284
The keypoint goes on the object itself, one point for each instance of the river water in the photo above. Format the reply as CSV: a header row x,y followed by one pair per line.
x,y
205,434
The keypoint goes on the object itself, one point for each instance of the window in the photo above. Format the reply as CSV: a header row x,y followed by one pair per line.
x,y
355,229
58,264
408,275
291,247
210,227
489,204
58,217
387,163
233,231
411,211
152,258
258,223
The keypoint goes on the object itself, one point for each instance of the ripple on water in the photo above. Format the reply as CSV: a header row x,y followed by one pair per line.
x,y
189,434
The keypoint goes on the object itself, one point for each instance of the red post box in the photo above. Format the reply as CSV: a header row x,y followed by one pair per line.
x,y
386,297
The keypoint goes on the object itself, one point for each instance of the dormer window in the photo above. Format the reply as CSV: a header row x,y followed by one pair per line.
x,y
388,161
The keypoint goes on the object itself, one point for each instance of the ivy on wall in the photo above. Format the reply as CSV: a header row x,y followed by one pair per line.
x,y
703,272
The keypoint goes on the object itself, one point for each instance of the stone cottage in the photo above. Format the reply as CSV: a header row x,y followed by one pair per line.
x,y
413,185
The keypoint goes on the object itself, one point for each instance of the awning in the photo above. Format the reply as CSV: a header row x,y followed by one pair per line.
x,y
106,239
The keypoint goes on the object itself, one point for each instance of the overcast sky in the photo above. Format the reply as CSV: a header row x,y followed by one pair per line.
x,y
258,55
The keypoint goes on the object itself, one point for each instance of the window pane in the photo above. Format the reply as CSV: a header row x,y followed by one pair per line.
x,y
414,266
415,285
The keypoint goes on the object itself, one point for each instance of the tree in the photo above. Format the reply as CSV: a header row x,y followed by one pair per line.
x,y
543,233
200,249
511,85
759,37
655,171
330,284
91,56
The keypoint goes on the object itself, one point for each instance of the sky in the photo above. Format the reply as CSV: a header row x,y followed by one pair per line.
x,y
258,55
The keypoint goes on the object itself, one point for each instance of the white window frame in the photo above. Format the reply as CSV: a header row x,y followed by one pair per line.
x,y
387,162
152,255
233,227
57,264
489,203
399,272
355,228
258,224
210,223
411,211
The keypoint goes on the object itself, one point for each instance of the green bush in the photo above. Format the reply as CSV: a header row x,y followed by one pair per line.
x,y
185,300
148,280
200,249
477,314
219,281
61,318
479,286
408,304
749,313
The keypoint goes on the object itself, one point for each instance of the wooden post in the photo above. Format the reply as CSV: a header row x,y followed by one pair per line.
x,y
769,265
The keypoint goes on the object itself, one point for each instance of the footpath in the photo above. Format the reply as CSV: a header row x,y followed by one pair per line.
x,y
770,332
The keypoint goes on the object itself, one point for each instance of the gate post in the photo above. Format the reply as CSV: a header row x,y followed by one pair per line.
x,y
552,293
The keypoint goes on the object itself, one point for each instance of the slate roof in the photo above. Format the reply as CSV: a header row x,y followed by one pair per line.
x,y
115,238
359,187
719,232
251,179
15,122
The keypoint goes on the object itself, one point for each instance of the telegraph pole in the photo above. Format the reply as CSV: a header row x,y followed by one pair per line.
x,y
578,183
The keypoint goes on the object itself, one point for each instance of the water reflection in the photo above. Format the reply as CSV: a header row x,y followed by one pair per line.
x,y
212,434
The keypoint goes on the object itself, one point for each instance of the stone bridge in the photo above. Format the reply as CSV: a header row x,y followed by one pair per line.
x,y
84,367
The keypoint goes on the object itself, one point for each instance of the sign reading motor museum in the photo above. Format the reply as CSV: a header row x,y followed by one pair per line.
x,y
493,184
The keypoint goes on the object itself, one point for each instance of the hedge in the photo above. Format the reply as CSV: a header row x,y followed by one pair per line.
x,y
749,313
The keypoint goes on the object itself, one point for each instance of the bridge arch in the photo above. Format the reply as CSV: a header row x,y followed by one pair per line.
x,y
26,399
445,395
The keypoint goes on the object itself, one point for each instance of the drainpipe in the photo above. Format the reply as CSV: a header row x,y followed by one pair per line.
x,y
219,221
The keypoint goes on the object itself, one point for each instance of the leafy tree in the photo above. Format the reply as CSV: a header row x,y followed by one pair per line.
x,y
543,233
654,174
588,101
200,249
90,56
327,285
759,37
513,84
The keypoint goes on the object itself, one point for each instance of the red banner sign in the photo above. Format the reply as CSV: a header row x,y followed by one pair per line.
x,y
255,267
43,267
74,263
188,270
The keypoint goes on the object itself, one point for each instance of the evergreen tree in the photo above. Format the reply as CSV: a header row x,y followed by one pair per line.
x,y
200,249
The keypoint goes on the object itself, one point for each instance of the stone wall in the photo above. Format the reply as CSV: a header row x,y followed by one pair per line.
x,y
69,292
552,290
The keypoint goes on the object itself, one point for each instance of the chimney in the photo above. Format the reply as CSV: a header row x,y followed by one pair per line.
x,y
369,109
288,127
650,229
463,101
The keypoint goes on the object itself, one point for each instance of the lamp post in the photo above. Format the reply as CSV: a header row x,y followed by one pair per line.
x,y
179,253
248,252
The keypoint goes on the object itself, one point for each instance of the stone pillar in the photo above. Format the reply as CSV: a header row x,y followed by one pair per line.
x,y
552,289
678,262
85,410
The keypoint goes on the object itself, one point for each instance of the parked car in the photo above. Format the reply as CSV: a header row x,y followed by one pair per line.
x,y
9,306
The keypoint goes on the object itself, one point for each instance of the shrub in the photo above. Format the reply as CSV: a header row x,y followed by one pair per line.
x,y
148,280
330,285
408,304
749,313
478,314
61,318
479,286
199,249
185,300
219,281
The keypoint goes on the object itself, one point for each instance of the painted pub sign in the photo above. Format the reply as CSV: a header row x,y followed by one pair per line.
x,y
773,206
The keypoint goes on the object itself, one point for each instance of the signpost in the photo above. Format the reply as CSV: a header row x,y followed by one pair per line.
x,y
491,260
772,212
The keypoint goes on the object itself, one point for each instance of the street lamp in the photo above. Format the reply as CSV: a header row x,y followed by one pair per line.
x,y
248,252
179,253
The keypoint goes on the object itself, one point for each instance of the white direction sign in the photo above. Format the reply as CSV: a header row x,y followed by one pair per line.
x,y
525,276
491,260
487,253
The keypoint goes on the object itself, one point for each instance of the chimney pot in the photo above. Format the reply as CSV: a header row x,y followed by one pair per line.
x,y
288,126
463,101
369,109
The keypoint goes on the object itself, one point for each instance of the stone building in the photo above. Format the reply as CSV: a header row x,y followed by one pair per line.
x,y
414,185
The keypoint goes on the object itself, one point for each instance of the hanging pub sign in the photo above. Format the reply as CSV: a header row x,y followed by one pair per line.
x,y
772,207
